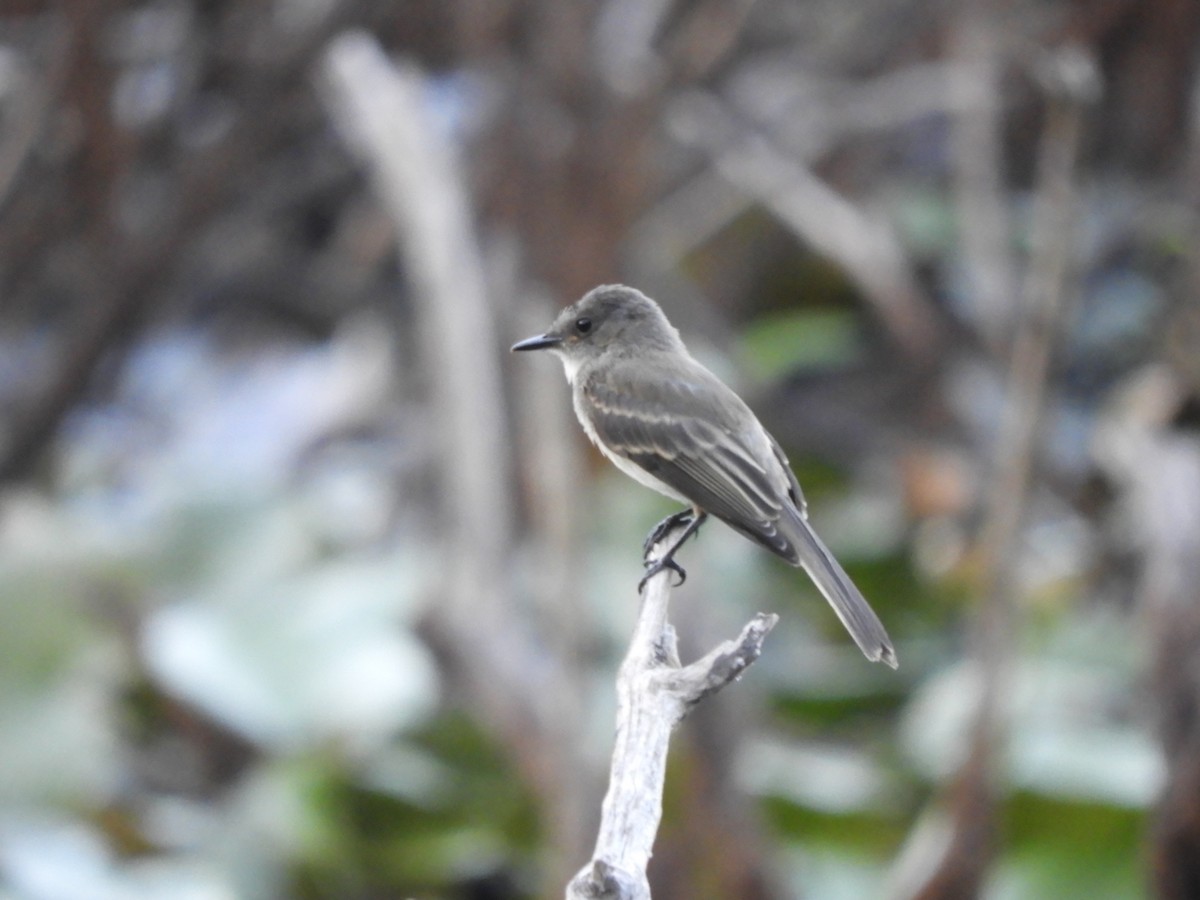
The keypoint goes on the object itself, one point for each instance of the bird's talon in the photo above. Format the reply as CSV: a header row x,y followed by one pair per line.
x,y
691,520
656,566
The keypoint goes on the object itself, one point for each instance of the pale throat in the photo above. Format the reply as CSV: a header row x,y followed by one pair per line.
x,y
571,365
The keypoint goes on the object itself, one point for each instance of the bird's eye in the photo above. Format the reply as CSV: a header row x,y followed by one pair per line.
x,y
583,325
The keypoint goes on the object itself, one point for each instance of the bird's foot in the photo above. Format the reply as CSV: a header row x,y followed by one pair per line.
x,y
691,520
663,528
656,566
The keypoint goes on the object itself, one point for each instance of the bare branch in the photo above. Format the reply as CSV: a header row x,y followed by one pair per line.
x,y
653,694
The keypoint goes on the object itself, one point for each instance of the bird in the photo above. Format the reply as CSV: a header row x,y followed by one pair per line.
x,y
670,424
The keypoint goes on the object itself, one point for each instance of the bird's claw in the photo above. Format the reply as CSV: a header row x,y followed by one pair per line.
x,y
691,520
653,568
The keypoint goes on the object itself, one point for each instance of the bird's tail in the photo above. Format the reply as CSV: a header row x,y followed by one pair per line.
x,y
849,604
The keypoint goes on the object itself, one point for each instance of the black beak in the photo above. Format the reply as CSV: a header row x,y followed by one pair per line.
x,y
539,342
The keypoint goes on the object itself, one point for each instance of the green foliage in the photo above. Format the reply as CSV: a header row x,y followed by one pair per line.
x,y
776,344
1083,850
468,818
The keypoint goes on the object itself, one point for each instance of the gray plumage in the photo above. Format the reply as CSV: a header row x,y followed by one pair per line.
x,y
672,425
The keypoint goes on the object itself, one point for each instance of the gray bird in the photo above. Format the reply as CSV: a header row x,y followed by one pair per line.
x,y
670,424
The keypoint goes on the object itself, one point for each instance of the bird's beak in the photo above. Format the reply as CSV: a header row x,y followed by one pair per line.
x,y
539,342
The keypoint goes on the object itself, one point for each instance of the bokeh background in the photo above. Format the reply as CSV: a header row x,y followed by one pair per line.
x,y
310,589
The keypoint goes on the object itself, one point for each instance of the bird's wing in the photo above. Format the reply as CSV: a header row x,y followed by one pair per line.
x,y
794,491
686,428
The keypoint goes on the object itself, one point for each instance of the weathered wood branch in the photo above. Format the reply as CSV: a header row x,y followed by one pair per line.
x,y
654,693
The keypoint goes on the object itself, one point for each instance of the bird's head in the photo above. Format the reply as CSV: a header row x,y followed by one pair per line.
x,y
607,319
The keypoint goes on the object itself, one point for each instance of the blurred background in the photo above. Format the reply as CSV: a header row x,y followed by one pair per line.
x,y
310,589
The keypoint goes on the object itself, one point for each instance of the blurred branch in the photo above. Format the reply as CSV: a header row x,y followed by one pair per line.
x,y
125,269
979,172
959,865
29,98
654,693
624,38
863,244
806,119
700,37
551,469
1158,469
383,113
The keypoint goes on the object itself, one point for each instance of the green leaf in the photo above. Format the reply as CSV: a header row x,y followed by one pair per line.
x,y
776,344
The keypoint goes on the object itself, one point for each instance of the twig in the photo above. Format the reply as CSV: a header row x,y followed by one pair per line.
x,y
654,692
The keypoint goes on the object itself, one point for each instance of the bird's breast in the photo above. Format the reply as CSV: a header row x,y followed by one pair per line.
x,y
628,466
